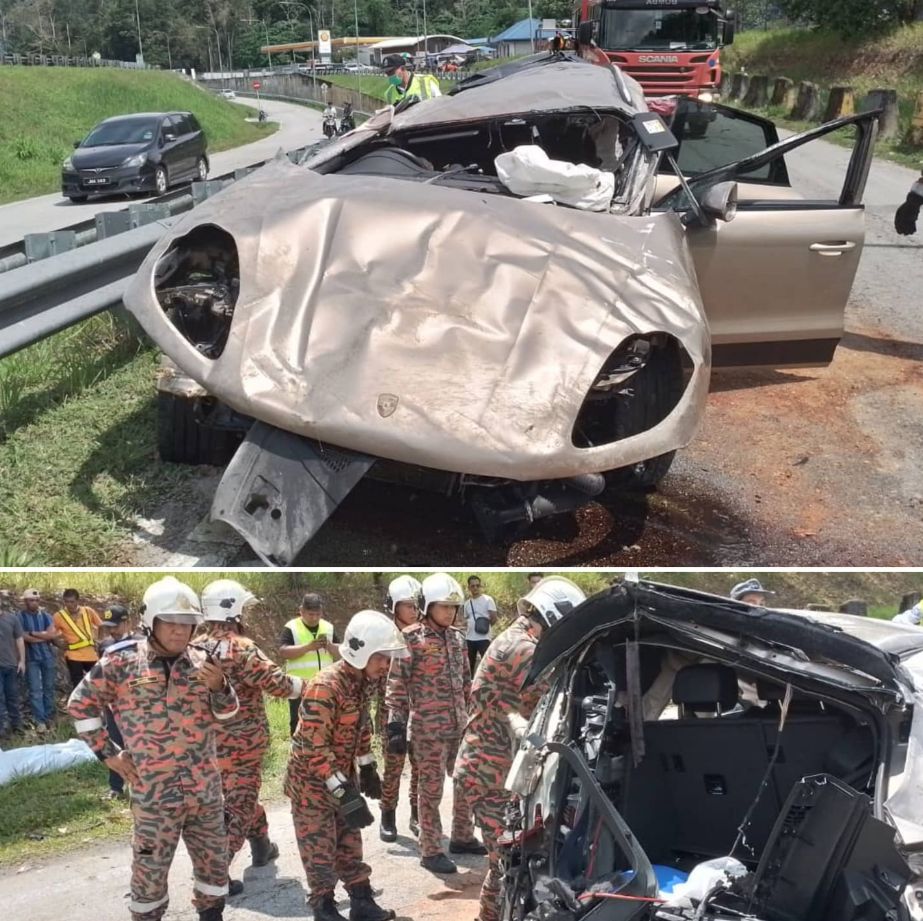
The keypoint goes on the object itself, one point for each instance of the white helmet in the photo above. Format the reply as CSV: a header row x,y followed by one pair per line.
x,y
225,599
403,588
441,588
550,600
172,601
369,632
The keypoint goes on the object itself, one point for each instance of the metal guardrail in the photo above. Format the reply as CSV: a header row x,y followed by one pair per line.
x,y
85,271
65,60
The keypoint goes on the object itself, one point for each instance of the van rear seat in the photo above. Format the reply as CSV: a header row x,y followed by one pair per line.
x,y
700,775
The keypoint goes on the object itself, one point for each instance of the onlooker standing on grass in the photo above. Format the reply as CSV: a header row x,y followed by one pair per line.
x,y
77,625
12,666
39,634
480,615
308,643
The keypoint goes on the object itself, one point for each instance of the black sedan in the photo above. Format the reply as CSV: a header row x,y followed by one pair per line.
x,y
149,151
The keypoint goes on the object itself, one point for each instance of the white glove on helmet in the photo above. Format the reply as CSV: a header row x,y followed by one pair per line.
x,y
172,601
369,632
225,599
403,588
441,588
550,600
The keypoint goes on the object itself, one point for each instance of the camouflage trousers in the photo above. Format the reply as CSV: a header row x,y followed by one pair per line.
x,y
157,830
435,760
488,804
391,782
329,850
243,813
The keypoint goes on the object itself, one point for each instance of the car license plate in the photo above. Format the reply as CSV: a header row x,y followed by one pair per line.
x,y
97,180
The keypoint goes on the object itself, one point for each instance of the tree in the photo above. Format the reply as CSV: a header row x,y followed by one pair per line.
x,y
852,17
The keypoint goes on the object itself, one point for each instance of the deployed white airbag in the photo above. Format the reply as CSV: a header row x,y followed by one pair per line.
x,y
528,170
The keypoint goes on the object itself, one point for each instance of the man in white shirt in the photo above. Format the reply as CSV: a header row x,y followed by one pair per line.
x,y
480,614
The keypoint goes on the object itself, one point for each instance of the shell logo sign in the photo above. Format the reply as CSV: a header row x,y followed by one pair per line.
x,y
323,41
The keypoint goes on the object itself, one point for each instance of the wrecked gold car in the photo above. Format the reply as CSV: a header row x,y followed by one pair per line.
x,y
391,307
696,758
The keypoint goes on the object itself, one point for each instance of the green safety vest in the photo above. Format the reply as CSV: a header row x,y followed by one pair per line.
x,y
308,665
423,86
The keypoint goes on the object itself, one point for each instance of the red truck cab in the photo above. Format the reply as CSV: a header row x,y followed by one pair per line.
x,y
669,46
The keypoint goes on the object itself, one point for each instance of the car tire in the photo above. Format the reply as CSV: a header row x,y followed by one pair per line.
x,y
182,437
78,199
161,181
201,169
661,384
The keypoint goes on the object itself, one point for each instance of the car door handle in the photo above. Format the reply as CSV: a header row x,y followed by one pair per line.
x,y
833,249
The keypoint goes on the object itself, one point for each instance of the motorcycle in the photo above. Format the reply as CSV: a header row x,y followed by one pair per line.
x,y
330,129
262,116
346,124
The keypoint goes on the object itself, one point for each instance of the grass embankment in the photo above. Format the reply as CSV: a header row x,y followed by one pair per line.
x,y
893,61
41,816
45,109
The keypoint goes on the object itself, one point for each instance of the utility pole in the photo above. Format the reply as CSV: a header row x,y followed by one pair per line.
x,y
138,18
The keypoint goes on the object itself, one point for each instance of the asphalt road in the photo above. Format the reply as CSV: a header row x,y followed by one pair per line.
x,y
298,125
92,881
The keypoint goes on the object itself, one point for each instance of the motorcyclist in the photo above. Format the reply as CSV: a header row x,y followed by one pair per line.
x,y
330,120
347,122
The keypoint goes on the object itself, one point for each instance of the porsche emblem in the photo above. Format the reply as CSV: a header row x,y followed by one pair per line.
x,y
387,403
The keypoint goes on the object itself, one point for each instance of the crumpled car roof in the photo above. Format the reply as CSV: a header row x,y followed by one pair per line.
x,y
562,85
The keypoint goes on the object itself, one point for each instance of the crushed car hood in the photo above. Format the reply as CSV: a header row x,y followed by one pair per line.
x,y
436,326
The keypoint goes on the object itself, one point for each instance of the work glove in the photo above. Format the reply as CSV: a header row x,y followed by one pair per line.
x,y
353,807
905,220
397,738
370,781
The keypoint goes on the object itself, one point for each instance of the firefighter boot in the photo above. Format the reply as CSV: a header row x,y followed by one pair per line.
x,y
327,909
212,914
388,830
262,850
362,907
235,887
414,821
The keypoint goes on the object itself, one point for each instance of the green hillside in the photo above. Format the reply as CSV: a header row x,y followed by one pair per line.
x,y
46,109
891,61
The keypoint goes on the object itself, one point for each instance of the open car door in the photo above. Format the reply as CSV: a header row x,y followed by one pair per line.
x,y
775,280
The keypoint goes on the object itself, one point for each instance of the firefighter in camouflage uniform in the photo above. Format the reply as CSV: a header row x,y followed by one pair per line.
x,y
499,711
404,606
332,738
243,741
167,699
427,700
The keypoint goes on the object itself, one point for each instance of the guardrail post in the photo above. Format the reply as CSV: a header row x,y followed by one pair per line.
x,y
840,102
855,606
888,120
42,245
758,94
203,190
147,213
807,105
109,223
908,600
783,93
740,85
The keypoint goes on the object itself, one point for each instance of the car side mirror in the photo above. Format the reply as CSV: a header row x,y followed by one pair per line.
x,y
730,26
585,32
169,138
653,132
76,144
720,201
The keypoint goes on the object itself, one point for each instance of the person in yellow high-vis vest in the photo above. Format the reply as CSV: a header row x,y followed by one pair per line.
x,y
77,626
309,642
